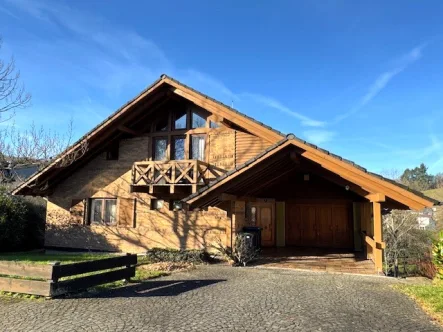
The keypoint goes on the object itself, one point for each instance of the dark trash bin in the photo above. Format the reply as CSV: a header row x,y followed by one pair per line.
x,y
256,235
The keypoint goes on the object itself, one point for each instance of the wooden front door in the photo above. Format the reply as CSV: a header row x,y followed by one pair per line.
x,y
319,225
262,215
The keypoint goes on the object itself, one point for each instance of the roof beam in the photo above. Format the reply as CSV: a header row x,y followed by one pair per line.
x,y
376,198
356,176
129,130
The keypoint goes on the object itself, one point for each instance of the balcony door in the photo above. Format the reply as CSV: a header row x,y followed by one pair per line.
x,y
198,147
160,146
178,147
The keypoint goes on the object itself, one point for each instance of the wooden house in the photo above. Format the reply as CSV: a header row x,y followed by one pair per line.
x,y
176,168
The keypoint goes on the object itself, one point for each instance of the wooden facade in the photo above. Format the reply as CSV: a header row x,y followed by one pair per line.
x,y
175,168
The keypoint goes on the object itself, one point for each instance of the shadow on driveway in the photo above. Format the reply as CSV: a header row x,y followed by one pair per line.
x,y
155,288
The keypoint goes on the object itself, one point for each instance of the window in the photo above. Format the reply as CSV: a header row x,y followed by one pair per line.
x,y
175,205
197,121
156,204
178,147
103,210
162,124
112,152
160,144
214,125
198,147
180,120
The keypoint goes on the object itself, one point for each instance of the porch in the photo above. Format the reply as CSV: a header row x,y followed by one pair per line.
x,y
300,204
317,259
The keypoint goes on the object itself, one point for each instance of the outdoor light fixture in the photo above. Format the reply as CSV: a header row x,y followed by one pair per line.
x,y
347,187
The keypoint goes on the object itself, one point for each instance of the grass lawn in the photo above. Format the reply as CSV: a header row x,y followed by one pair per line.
x,y
430,297
43,258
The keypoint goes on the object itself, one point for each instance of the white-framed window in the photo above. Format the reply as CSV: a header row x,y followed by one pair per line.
x,y
103,211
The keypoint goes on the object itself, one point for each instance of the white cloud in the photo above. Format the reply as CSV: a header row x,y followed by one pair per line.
x,y
383,80
275,104
318,136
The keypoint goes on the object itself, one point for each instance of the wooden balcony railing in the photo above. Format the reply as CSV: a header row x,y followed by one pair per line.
x,y
173,173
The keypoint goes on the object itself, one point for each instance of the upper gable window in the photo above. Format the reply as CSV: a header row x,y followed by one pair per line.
x,y
198,121
214,125
162,124
180,120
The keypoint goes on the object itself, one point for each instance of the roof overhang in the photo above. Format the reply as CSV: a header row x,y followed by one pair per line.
x,y
274,160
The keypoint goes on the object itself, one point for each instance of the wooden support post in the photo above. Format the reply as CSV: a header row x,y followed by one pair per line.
x,y
173,170
128,266
54,279
194,176
378,236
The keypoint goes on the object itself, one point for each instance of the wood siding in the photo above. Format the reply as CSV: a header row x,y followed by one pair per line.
x,y
138,227
248,146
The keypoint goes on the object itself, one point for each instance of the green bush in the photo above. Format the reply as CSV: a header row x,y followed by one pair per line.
x,y
21,223
437,253
156,255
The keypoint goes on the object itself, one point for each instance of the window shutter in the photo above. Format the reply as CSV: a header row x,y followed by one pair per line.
x,y
77,211
126,212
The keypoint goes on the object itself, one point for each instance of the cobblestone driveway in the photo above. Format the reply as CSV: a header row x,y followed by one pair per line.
x,y
219,298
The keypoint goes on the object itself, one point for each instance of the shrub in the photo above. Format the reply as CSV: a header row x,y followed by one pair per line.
x,y
12,222
243,252
437,253
157,255
426,267
21,223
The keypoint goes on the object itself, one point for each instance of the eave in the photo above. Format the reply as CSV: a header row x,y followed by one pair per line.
x,y
373,185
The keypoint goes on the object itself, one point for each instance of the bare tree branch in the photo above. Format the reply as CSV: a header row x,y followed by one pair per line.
x,y
12,92
36,145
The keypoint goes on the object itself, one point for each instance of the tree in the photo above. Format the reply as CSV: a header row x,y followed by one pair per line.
x,y
403,238
438,179
12,92
393,174
36,145
418,178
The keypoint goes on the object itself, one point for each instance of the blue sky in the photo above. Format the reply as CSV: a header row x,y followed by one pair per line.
x,y
362,79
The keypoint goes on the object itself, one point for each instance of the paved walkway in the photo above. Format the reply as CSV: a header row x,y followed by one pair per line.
x,y
221,298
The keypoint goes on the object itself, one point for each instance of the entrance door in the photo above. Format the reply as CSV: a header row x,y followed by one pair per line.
x,y
262,215
319,225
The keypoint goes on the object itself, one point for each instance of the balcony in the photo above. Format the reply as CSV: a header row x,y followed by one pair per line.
x,y
172,174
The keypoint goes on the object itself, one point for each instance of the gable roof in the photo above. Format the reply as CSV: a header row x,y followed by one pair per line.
x,y
371,182
276,137
174,86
